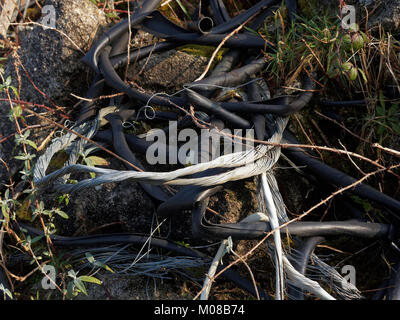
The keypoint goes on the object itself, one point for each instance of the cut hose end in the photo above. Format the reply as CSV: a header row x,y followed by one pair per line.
x,y
203,25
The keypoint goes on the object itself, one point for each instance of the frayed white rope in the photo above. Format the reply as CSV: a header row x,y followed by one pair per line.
x,y
245,164
303,282
61,143
274,223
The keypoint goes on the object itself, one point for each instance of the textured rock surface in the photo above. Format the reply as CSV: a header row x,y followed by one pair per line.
x,y
132,288
50,58
388,14
168,71
53,64
384,12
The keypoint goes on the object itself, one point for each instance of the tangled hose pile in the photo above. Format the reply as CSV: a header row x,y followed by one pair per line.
x,y
195,104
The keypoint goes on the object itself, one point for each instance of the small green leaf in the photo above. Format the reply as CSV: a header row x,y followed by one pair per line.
x,y
70,289
97,161
90,279
90,257
61,213
8,81
31,143
36,239
363,75
80,285
104,266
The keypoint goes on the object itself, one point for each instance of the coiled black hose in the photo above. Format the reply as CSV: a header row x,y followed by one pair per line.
x,y
229,79
239,19
89,108
214,108
159,26
130,238
219,12
121,60
336,177
258,230
122,149
117,31
107,55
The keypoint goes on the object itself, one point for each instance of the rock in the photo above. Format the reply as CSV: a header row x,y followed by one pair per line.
x,y
50,58
387,14
297,192
167,71
131,288
124,204
52,62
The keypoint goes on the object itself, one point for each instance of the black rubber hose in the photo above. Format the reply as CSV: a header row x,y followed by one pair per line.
x,y
122,149
343,103
120,45
184,200
240,18
121,60
89,108
334,176
188,195
137,144
292,9
226,64
113,80
306,251
230,59
229,79
118,31
349,227
129,238
202,25
159,26
259,20
222,110
259,125
140,145
283,110
300,263
215,108
253,93
276,102
257,230
219,11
